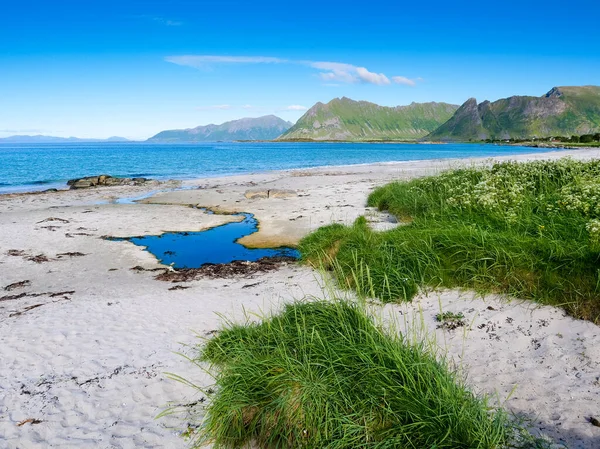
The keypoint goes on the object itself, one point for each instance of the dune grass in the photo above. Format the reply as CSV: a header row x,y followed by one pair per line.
x,y
322,374
530,230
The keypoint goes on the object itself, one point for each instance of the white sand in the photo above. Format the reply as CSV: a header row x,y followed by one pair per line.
x,y
91,364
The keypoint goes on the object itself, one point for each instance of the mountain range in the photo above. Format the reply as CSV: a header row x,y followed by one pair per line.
x,y
262,128
563,111
345,119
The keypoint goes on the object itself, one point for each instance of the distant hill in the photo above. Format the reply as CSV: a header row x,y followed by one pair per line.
x,y
53,139
564,111
261,128
346,119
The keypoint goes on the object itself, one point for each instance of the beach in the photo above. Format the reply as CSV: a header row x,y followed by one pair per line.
x,y
88,334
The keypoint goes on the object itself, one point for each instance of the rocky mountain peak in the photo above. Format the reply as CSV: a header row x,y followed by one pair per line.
x,y
555,92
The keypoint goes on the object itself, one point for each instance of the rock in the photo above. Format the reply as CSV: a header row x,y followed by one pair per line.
x,y
110,181
82,184
104,180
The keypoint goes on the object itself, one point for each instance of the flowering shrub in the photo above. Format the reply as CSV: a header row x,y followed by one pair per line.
x,y
582,196
531,230
593,229
506,189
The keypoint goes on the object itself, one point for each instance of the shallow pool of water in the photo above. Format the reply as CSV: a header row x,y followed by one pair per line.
x,y
215,245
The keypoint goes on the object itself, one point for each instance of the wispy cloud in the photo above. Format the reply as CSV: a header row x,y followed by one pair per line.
x,y
404,80
168,22
348,73
294,107
329,72
161,20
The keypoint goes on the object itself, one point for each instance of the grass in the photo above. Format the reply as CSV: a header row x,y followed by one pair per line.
x,y
363,121
530,230
323,374
450,320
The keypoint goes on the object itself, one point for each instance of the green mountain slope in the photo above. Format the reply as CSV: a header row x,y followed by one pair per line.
x,y
346,119
261,128
563,111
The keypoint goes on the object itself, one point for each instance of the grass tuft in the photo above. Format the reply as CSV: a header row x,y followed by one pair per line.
x,y
323,374
530,230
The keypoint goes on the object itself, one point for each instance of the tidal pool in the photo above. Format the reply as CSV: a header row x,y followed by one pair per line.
x,y
214,245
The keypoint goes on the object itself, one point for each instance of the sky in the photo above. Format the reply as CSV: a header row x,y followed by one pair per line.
x,y
134,68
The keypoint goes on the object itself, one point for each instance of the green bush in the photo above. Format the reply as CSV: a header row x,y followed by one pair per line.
x,y
531,230
586,138
323,375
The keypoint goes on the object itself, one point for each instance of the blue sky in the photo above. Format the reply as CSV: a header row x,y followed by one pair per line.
x,y
134,68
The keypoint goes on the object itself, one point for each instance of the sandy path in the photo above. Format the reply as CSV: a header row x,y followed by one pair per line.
x,y
89,359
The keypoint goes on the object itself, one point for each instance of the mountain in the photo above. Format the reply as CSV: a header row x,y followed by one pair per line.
x,y
53,139
564,111
346,119
261,128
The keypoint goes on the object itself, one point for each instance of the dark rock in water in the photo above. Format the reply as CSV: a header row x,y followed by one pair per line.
x,y
237,268
104,180
83,184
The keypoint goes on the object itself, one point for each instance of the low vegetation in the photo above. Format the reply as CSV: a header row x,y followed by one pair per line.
x,y
530,230
584,140
323,374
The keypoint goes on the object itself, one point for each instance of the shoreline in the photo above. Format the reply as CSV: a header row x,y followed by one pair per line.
x,y
47,187
87,332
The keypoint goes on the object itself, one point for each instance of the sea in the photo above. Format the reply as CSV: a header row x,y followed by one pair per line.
x,y
34,167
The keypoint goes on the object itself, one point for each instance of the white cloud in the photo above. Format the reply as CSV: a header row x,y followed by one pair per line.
x,y
328,71
343,76
373,78
333,66
295,107
247,106
404,80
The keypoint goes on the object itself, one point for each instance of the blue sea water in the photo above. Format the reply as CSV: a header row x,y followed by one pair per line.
x,y
215,245
30,167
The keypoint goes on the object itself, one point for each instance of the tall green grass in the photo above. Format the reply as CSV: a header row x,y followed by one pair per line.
x,y
530,230
322,374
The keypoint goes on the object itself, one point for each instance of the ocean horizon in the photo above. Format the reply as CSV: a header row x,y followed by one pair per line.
x,y
35,167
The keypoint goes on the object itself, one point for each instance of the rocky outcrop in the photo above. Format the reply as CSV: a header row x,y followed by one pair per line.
x,y
104,181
